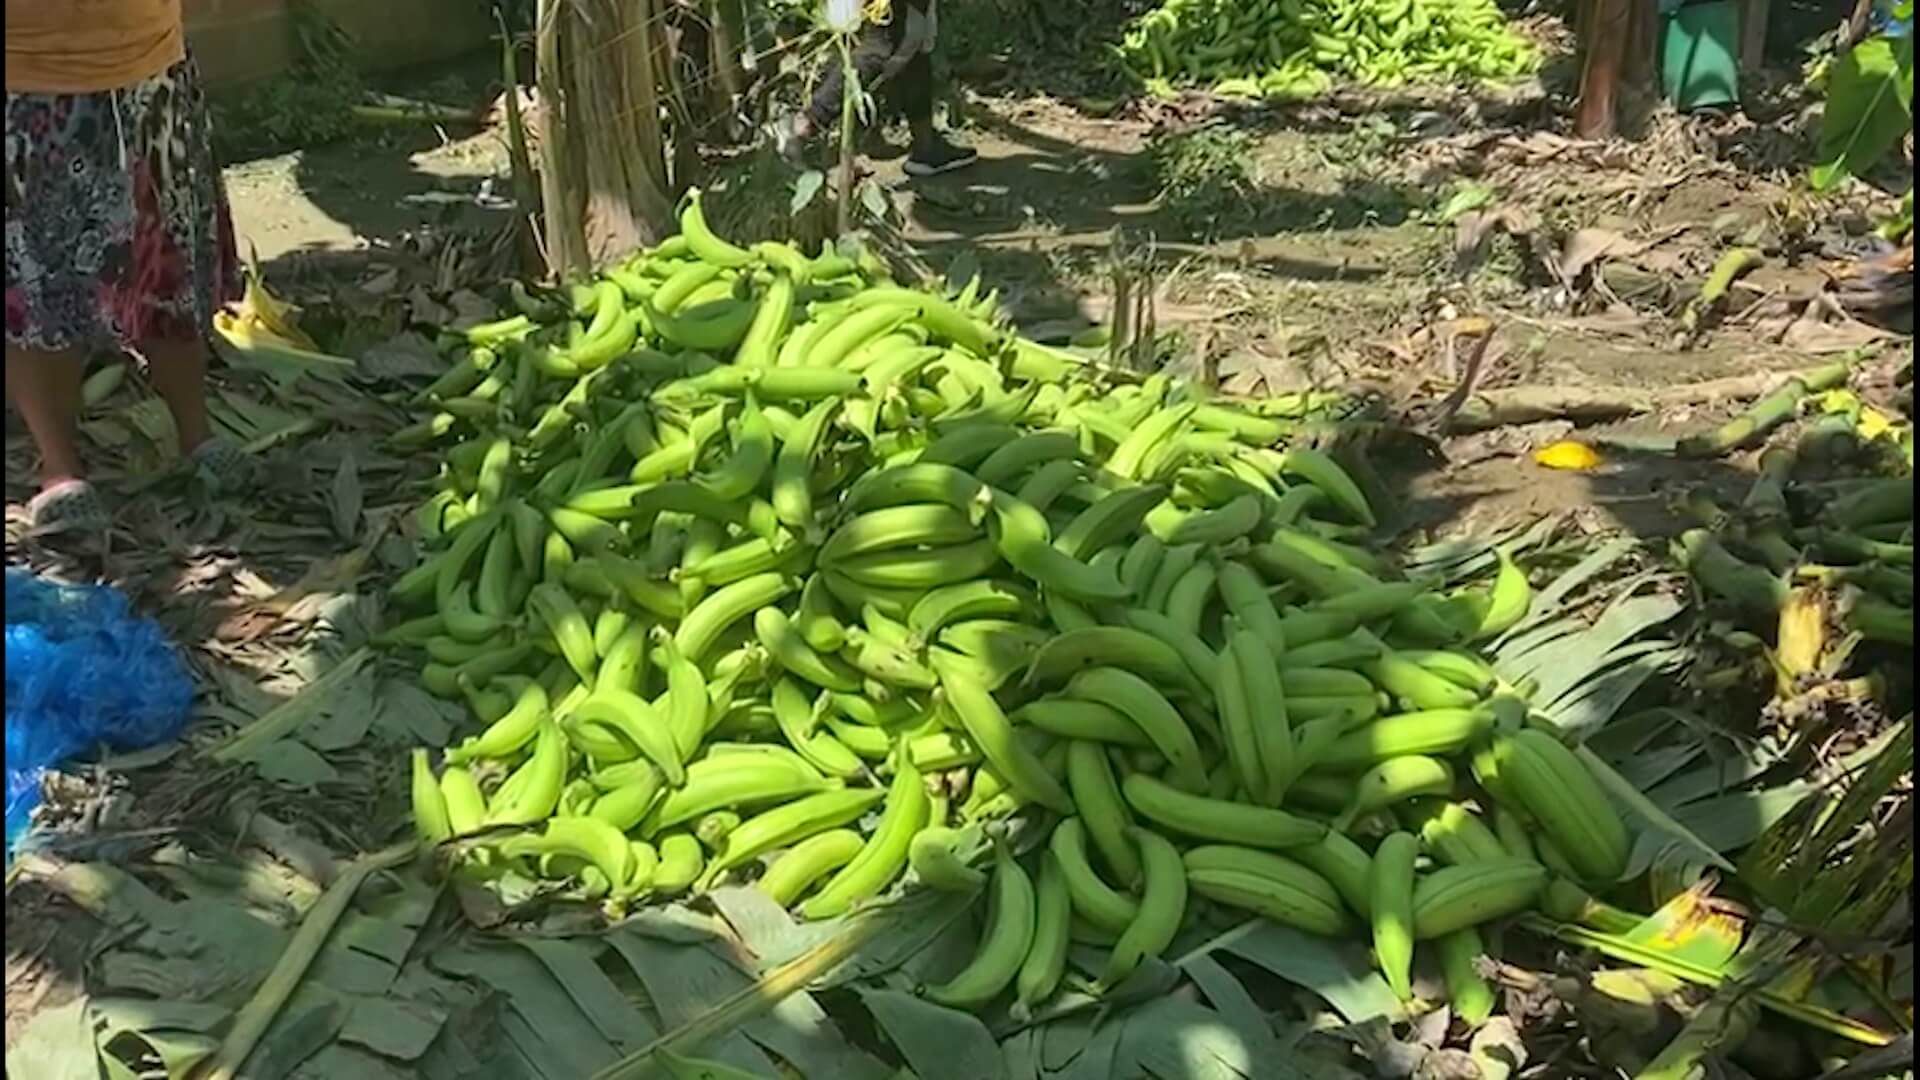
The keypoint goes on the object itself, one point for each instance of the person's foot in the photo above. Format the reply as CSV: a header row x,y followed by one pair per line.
x,y
936,156
222,466
67,507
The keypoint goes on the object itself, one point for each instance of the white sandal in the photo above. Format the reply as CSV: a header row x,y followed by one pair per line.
x,y
70,506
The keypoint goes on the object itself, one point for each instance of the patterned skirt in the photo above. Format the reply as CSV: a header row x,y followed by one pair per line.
x,y
117,224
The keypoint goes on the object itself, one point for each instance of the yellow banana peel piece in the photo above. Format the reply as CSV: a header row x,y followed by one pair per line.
x,y
1873,424
1566,454
249,337
1801,637
273,313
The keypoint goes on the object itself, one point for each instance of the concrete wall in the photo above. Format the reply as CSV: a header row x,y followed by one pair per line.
x,y
236,41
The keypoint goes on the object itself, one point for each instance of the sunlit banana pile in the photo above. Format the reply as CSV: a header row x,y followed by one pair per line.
x,y
1299,48
824,616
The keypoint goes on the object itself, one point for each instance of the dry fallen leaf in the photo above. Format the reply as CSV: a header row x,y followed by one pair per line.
x,y
1585,247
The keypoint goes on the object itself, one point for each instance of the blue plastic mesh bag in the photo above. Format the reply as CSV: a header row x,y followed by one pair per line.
x,y
82,671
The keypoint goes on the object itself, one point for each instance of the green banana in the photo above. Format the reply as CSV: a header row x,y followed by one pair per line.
x,y
1266,884
885,854
790,824
987,725
1390,888
1393,781
1046,959
1138,700
807,862
1073,651
1093,899
1433,732
1024,539
1456,897
1559,793
934,855
1217,819
1163,904
1004,944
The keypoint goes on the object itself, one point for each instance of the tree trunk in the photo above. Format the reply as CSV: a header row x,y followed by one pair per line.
x,y
727,38
604,179
1754,16
1609,28
561,204
1643,49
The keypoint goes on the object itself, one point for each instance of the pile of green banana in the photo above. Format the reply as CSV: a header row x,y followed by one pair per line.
x,y
1298,48
822,616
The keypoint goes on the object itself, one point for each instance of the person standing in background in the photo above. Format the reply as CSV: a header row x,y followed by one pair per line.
x,y
118,233
893,60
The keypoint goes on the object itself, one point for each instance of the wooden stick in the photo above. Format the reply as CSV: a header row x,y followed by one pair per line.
x,y
1608,29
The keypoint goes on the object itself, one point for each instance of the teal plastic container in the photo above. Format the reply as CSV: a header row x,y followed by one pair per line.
x,y
1700,47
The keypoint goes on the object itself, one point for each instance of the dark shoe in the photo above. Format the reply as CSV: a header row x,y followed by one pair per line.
x,y
222,467
939,157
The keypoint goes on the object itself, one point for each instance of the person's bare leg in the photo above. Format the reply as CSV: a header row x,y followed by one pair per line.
x,y
178,370
45,386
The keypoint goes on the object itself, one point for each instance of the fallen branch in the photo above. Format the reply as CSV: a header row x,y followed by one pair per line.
x,y
1530,404
387,109
1514,405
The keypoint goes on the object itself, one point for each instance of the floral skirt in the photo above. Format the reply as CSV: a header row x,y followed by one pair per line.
x,y
117,224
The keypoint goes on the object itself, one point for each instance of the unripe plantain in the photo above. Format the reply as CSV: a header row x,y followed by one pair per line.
x,y
885,855
1508,601
1046,959
430,818
1468,992
1163,904
1093,899
1096,793
936,861
1004,944
1217,819
1390,884
1432,732
1456,897
1415,687
1345,865
1561,795
681,861
1266,884
807,862
1454,833
1393,781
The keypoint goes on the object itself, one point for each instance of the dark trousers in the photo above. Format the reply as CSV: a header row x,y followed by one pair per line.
x,y
909,93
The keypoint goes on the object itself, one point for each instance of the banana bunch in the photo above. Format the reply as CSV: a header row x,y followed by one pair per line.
x,y
1298,48
1810,557
756,566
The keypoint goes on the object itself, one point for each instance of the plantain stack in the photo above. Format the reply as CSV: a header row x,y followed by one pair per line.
x,y
1298,48
753,566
